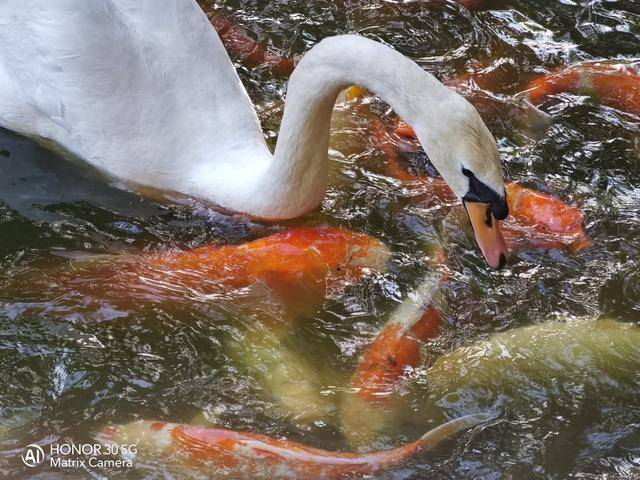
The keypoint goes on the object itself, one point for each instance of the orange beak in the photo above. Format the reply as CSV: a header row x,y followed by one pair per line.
x,y
488,234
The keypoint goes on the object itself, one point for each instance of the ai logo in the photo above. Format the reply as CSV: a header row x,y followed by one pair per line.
x,y
33,455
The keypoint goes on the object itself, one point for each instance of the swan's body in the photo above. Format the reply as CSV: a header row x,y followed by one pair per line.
x,y
144,91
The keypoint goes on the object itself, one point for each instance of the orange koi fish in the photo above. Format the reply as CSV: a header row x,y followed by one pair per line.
x,y
298,265
537,218
397,347
616,85
241,45
544,221
393,351
481,84
259,456
386,360
316,256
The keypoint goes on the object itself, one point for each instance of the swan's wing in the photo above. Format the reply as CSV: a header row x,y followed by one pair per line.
x,y
137,88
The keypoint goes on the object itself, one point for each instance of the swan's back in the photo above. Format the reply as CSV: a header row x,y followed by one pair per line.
x,y
140,89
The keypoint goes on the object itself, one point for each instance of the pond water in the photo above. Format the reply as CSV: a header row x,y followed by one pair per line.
x,y
74,362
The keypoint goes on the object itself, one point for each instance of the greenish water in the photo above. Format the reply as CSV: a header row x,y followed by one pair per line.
x,y
72,363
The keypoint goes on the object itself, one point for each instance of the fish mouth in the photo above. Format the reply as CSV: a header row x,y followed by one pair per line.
x,y
486,228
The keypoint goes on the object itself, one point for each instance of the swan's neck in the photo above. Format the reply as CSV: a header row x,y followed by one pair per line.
x,y
295,181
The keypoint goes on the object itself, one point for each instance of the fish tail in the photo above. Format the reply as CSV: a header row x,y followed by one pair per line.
x,y
430,440
443,432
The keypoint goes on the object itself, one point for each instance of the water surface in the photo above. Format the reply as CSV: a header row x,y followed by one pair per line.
x,y
71,364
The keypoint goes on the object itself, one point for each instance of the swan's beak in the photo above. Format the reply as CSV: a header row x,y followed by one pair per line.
x,y
488,235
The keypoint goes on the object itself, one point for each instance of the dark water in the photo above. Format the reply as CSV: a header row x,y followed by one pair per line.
x,y
71,364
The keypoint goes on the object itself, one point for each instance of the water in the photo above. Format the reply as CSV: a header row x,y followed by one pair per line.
x,y
73,363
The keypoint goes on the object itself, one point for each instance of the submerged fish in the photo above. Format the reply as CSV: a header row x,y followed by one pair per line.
x,y
613,84
544,221
604,354
239,44
397,347
392,352
287,375
298,265
385,362
250,455
315,256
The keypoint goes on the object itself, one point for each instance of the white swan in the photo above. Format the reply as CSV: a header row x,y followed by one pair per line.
x,y
144,91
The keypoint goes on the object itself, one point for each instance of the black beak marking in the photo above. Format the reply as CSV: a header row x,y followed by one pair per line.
x,y
480,192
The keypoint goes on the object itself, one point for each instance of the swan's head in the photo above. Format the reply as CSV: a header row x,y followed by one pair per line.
x,y
466,155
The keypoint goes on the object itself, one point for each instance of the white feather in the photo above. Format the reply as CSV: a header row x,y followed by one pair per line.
x,y
144,91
